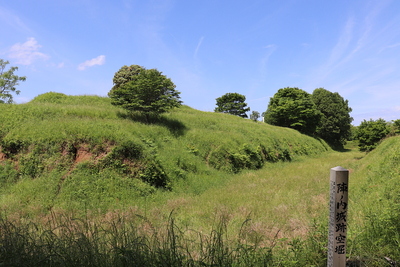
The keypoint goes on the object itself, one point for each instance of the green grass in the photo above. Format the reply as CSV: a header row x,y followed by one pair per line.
x,y
85,183
276,216
375,205
92,155
281,198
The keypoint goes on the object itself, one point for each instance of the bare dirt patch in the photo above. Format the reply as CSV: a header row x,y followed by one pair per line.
x,y
83,155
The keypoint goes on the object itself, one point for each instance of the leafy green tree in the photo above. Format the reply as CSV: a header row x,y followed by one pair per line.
x,y
144,90
255,115
8,82
335,123
232,103
396,123
126,74
370,133
396,126
353,133
293,108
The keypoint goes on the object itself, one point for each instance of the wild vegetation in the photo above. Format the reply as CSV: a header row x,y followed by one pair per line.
x,y
79,152
86,183
375,224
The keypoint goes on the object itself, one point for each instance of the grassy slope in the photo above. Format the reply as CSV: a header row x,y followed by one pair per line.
x,y
282,199
80,152
375,204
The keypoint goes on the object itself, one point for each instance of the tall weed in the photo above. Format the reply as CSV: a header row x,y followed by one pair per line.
x,y
65,240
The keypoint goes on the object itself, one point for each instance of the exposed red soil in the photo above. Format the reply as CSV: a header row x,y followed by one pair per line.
x,y
83,155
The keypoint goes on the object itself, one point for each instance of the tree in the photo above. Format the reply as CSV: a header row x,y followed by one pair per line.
x,y
370,133
126,74
144,90
293,108
232,103
396,126
255,115
8,82
335,123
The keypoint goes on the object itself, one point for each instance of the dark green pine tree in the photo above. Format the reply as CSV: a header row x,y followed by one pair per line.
x,y
232,103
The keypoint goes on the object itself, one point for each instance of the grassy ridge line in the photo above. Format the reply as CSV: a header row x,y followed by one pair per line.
x,y
78,152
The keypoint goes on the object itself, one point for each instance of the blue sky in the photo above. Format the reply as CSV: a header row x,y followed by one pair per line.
x,y
210,47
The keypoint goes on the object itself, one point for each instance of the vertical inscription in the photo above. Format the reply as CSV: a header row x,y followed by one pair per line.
x,y
338,217
331,236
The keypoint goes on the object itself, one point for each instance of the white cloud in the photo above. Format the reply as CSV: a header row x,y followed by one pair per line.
x,y
100,60
389,47
198,46
14,21
264,60
27,52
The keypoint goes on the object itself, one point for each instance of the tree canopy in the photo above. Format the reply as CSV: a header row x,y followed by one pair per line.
x,y
335,123
293,107
255,115
232,103
396,126
8,82
145,90
126,74
370,133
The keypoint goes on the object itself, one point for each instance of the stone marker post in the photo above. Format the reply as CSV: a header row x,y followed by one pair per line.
x,y
339,180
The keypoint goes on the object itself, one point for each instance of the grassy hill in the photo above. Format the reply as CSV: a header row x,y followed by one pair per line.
x,y
80,152
85,183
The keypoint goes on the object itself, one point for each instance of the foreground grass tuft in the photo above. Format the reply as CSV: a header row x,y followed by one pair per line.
x,y
69,241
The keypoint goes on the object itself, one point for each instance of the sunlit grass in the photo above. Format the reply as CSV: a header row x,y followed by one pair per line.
x,y
266,209
285,196
186,149
268,186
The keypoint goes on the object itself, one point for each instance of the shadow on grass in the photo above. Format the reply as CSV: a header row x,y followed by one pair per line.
x,y
176,127
335,146
341,149
349,146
